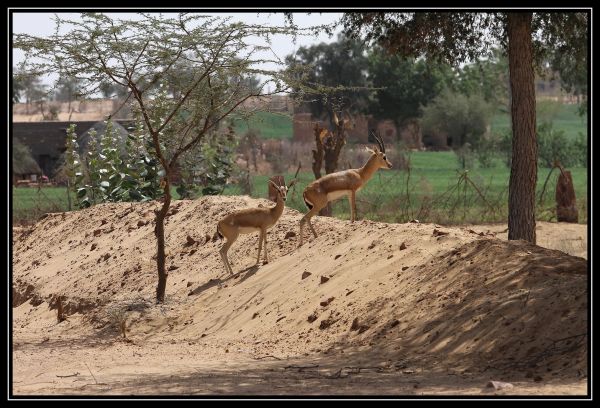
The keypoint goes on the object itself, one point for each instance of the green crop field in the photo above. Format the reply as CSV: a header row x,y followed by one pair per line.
x,y
269,125
434,194
563,117
432,191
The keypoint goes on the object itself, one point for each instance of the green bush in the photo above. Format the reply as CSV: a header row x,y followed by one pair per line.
x,y
553,145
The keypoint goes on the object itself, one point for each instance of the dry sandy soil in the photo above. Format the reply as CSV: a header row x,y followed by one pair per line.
x,y
364,309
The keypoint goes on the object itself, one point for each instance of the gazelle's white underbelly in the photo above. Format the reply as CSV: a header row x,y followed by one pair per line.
x,y
248,230
338,194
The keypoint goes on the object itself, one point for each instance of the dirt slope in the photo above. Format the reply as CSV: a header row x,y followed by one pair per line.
x,y
444,305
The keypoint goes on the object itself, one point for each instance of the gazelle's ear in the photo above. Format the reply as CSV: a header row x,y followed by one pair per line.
x,y
335,119
370,150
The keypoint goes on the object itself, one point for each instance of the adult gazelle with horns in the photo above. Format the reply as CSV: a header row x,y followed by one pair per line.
x,y
342,183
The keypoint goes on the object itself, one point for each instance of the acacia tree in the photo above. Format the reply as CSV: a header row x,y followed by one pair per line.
x,y
139,54
457,37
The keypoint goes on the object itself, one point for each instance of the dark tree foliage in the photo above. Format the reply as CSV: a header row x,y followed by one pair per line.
x,y
337,74
462,37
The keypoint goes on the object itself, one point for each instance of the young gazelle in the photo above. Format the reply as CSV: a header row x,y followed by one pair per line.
x,y
251,220
342,183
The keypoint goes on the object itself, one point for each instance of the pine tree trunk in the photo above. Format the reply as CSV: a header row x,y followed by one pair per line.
x,y
523,173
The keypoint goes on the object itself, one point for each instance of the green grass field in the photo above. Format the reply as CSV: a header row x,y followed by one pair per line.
x,y
564,117
431,192
434,194
269,125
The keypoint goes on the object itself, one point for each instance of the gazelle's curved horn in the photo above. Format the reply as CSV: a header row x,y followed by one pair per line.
x,y
380,142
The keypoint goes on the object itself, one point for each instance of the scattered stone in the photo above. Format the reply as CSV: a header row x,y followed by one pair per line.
x,y
141,223
409,371
94,246
192,252
105,257
438,233
372,245
355,325
290,234
404,268
325,302
312,317
104,221
390,256
324,279
173,267
189,284
97,232
189,241
394,323
208,238
306,274
402,246
415,221
326,323
337,256
499,385
537,378
254,315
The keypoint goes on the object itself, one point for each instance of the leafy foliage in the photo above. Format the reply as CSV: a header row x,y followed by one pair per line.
x,y
336,71
463,119
109,175
554,145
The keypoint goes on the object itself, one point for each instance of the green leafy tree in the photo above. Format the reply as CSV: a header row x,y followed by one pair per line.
x,y
461,37
487,77
463,119
17,88
139,55
337,73
67,90
28,85
402,85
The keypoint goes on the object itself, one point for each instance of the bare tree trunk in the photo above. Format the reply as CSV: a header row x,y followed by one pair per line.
x,y
523,173
160,238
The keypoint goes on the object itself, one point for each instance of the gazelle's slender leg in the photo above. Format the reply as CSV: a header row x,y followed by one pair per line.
x,y
223,251
260,240
265,239
306,218
352,199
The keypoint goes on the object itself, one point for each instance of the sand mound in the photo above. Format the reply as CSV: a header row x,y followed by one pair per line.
x,y
444,298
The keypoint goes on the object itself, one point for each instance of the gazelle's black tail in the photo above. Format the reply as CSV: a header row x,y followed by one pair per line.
x,y
308,203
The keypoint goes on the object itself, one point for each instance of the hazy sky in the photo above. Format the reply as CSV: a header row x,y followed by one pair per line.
x,y
41,24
